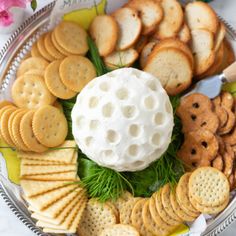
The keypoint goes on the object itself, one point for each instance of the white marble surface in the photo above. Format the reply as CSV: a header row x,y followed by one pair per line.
x,y
9,224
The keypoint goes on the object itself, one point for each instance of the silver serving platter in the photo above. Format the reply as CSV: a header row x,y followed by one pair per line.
x,y
16,48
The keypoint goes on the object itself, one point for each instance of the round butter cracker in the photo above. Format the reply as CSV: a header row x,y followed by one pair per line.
x,y
165,199
161,210
208,186
15,129
50,126
10,120
3,107
43,51
26,132
35,51
35,72
137,220
209,209
155,215
76,72
5,103
54,83
52,50
32,63
182,195
149,223
72,37
178,210
30,91
58,47
4,124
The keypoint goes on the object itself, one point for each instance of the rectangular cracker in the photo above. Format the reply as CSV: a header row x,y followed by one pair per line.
x,y
37,170
69,176
77,219
29,162
45,200
74,158
72,218
33,188
55,209
60,218
55,231
58,155
40,217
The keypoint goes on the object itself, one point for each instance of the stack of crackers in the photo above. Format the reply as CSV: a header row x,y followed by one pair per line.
x,y
32,130
50,185
54,72
209,129
167,40
206,190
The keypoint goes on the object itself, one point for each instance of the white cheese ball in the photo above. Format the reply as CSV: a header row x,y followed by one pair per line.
x,y
123,120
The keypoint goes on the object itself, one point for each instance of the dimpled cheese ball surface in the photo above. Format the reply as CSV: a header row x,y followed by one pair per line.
x,y
123,120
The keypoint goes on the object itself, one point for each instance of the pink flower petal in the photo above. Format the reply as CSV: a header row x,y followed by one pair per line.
x,y
6,18
6,4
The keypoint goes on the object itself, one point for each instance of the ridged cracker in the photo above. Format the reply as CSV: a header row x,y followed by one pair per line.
x,y
58,47
76,72
137,220
5,103
43,51
9,124
35,51
209,209
4,125
161,210
50,126
155,215
182,195
208,186
149,223
54,83
15,129
26,132
165,199
52,50
178,210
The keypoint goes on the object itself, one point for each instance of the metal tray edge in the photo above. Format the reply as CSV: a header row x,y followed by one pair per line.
x,y
210,231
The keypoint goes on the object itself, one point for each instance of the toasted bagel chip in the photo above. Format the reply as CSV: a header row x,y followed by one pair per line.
x,y
130,27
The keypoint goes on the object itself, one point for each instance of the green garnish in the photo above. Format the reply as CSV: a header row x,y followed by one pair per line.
x,y
94,56
67,106
106,184
100,182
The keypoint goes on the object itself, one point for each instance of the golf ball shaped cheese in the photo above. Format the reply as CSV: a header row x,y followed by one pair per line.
x,y
123,120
